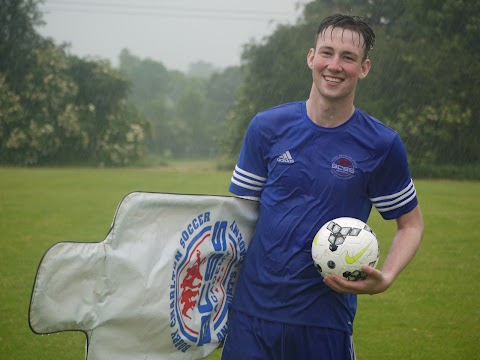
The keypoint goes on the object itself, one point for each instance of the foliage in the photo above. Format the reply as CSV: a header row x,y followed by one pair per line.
x,y
56,108
423,83
44,97
436,84
17,38
114,130
185,111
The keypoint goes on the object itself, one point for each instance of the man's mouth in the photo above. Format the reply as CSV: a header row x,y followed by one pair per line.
x,y
332,79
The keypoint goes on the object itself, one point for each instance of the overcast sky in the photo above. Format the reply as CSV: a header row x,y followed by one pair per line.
x,y
174,32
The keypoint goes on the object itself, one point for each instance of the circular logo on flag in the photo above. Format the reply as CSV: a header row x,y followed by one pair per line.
x,y
203,278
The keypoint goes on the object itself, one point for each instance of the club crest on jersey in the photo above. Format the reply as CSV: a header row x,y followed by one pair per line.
x,y
204,273
343,167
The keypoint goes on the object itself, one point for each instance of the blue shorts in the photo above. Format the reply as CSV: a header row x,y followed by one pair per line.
x,y
251,338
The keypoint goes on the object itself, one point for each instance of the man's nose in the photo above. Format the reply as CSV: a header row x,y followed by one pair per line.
x,y
335,64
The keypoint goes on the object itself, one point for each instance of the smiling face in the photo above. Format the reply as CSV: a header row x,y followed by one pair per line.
x,y
337,63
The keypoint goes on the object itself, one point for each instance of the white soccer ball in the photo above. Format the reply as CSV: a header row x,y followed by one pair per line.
x,y
342,246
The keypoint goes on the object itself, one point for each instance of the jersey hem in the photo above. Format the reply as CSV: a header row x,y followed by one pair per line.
x,y
294,323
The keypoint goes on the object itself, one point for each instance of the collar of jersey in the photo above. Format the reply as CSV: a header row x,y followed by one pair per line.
x,y
316,127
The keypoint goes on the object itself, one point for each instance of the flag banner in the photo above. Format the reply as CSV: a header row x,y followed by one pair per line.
x,y
158,287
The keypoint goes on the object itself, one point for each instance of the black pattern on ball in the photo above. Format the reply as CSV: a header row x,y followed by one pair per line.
x,y
354,275
338,234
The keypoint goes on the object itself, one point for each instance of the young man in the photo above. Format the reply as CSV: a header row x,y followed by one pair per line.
x,y
307,163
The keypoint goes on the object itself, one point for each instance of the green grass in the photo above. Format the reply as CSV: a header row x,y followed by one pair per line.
x,y
431,312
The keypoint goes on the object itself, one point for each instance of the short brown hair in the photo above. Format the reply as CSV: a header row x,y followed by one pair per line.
x,y
353,23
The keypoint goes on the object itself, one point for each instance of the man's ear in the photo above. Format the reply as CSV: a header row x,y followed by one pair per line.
x,y
366,65
310,56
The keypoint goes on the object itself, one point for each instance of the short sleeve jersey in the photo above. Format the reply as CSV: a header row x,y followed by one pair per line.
x,y
303,176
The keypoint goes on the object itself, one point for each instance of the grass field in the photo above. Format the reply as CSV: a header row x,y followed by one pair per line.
x,y
431,312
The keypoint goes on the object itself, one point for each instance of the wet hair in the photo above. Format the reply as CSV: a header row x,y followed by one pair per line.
x,y
347,22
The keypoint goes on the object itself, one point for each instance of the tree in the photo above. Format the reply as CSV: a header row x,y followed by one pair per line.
x,y
222,89
55,108
18,19
185,111
112,131
43,94
443,118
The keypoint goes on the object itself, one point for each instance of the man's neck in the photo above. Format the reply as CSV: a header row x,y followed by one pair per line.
x,y
329,113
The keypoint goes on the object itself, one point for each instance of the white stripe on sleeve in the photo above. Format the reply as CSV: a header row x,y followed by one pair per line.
x,y
395,201
247,180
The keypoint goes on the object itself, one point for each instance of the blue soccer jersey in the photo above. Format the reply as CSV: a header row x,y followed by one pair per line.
x,y
305,175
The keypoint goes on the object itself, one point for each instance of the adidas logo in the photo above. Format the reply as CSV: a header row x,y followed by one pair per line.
x,y
286,158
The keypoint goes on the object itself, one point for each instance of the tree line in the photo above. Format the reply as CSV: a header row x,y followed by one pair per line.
x,y
56,108
62,109
185,112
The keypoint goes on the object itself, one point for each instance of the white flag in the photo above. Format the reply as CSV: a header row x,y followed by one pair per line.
x,y
158,287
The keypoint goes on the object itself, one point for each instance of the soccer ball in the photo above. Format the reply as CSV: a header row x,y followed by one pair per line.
x,y
342,246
